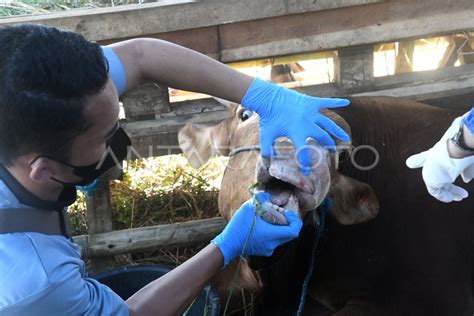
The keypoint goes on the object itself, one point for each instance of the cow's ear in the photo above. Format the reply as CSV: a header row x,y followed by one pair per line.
x,y
201,142
354,202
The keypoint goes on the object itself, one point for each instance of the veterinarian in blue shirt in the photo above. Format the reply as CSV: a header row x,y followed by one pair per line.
x,y
59,112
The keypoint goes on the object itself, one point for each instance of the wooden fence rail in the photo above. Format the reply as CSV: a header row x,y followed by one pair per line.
x,y
149,238
106,24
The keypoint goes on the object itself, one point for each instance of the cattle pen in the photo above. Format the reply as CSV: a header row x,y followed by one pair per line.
x,y
235,31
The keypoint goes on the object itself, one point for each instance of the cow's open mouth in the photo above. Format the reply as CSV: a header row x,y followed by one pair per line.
x,y
283,197
290,189
280,191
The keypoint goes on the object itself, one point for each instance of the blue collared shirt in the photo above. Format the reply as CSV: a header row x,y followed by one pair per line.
x,y
44,274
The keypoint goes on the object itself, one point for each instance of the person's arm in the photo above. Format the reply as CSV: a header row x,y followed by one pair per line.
x,y
282,112
178,67
468,138
173,292
446,161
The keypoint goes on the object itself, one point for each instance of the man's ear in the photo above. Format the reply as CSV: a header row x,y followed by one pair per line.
x,y
201,142
41,170
354,202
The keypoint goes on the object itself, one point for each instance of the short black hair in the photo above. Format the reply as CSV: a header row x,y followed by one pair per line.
x,y
45,76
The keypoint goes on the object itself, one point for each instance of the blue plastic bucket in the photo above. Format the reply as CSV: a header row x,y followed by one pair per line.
x,y
126,281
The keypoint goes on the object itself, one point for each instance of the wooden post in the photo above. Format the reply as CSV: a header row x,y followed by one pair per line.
x,y
354,68
404,59
146,102
99,216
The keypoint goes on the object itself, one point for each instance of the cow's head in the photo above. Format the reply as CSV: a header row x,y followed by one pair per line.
x,y
354,202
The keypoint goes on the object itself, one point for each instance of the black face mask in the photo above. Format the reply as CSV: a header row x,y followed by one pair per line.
x,y
117,149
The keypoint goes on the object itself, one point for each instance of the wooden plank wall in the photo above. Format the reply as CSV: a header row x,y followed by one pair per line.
x,y
240,30
235,30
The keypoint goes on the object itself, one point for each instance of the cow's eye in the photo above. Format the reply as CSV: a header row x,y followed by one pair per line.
x,y
245,115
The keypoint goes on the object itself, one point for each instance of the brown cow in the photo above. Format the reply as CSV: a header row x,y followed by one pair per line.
x,y
414,258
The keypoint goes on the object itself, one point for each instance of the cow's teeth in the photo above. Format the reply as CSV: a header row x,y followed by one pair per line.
x,y
273,214
292,204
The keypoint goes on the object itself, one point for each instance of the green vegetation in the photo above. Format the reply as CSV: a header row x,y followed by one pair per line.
x,y
157,191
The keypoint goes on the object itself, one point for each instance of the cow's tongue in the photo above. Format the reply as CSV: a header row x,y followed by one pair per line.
x,y
282,198
280,191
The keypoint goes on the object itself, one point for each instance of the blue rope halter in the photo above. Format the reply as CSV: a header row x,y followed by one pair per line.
x,y
323,211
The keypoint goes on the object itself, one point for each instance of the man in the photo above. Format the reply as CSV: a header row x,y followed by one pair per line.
x,y
58,115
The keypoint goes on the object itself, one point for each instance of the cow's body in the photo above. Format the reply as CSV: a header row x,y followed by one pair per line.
x,y
414,258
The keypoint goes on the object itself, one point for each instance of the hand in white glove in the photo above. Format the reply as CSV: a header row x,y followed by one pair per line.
x,y
440,170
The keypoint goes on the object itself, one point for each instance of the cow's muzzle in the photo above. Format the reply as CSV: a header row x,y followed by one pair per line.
x,y
281,177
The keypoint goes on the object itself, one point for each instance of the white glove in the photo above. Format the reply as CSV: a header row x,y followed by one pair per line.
x,y
440,170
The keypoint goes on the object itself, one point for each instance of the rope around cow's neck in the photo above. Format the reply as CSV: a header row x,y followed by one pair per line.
x,y
237,150
323,211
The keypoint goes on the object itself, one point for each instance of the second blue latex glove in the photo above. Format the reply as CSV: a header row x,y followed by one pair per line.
x,y
469,120
264,238
287,113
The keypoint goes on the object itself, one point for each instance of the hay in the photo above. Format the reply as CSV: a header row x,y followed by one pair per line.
x,y
187,201
158,191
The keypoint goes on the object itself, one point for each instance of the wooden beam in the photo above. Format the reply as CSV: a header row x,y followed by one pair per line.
x,y
158,137
148,238
167,16
425,91
460,102
447,74
233,31
360,25
168,123
282,60
203,39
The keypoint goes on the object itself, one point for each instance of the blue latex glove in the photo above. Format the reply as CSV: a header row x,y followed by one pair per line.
x,y
264,238
469,120
287,113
